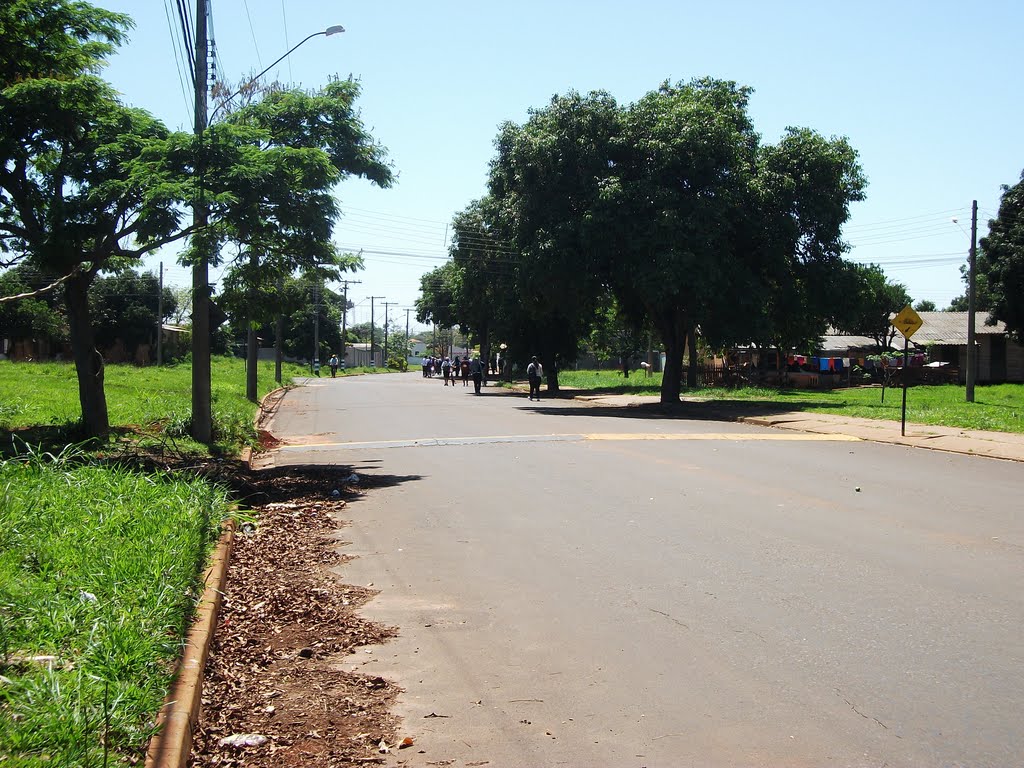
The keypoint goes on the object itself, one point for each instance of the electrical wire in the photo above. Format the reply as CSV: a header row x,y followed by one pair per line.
x,y
252,30
287,47
176,50
186,35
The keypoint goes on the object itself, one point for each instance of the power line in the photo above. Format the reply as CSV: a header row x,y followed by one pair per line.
x,y
176,49
252,30
284,20
186,30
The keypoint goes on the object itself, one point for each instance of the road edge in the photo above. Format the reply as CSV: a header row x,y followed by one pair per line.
x,y
171,747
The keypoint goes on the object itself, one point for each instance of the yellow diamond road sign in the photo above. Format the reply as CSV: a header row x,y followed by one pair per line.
x,y
907,321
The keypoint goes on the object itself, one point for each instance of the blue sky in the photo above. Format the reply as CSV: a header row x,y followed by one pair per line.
x,y
929,93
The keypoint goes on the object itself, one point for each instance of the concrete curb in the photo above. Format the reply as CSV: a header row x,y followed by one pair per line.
x,y
172,745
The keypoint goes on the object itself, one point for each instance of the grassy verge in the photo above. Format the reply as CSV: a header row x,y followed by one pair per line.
x,y
99,572
153,404
998,407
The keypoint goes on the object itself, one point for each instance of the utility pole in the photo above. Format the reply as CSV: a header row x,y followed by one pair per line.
x,y
202,415
407,331
385,355
160,320
373,332
316,323
344,314
279,334
971,304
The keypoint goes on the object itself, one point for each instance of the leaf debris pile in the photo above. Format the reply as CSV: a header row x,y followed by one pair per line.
x,y
276,666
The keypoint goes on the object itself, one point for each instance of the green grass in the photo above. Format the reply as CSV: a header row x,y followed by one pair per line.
x,y
150,401
611,381
99,569
997,407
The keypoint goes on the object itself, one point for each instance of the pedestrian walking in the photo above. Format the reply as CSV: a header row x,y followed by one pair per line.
x,y
333,362
534,372
446,371
477,369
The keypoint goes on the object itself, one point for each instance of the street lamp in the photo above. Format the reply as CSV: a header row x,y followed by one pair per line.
x,y
202,396
333,30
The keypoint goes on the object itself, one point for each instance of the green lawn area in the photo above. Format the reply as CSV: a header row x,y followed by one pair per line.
x,y
150,401
99,562
99,573
998,407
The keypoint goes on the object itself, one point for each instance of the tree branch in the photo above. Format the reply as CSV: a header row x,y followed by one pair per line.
x,y
41,291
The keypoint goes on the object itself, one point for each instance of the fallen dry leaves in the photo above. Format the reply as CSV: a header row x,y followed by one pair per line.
x,y
287,624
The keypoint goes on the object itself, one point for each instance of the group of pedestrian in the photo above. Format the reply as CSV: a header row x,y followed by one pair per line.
x,y
452,369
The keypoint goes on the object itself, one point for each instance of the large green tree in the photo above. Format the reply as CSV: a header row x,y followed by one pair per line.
x,y
869,300
126,307
38,316
307,143
1001,261
79,191
675,207
546,184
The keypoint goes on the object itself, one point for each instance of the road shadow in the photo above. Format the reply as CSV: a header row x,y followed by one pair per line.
x,y
347,482
684,410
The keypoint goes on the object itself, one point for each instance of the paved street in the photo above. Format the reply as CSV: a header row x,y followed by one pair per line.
x,y
587,585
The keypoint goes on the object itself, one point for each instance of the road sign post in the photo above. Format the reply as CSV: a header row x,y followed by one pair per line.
x,y
906,322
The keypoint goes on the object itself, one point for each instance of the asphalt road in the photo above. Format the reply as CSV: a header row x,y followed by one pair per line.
x,y
593,586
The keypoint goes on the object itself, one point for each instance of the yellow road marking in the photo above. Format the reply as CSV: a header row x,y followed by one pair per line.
x,y
800,436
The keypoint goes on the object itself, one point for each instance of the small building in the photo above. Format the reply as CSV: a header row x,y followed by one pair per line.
x,y
944,335
357,355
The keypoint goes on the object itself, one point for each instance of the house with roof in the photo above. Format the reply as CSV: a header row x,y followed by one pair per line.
x,y
943,336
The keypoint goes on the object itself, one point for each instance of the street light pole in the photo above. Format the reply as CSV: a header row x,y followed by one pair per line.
x,y
202,415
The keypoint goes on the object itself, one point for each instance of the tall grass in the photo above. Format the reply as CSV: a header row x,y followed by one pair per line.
x,y
155,401
99,574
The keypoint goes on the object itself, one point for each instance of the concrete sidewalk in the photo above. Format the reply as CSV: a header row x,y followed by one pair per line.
x,y
996,445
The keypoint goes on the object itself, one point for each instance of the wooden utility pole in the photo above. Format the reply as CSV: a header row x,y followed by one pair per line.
x,y
972,355
344,314
160,320
279,335
384,357
202,416
373,332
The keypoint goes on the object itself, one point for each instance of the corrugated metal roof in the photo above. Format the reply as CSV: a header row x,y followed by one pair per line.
x,y
951,327
937,328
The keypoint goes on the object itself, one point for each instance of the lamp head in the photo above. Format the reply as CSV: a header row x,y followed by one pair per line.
x,y
334,30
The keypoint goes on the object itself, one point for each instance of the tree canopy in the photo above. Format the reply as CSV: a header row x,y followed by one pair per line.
x,y
673,208
1001,262
89,185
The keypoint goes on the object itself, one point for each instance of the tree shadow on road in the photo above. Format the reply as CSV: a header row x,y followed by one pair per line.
x,y
347,482
733,410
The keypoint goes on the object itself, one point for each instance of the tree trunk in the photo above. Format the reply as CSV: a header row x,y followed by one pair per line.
x,y
551,373
485,349
252,351
88,360
673,333
279,341
251,365
691,373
